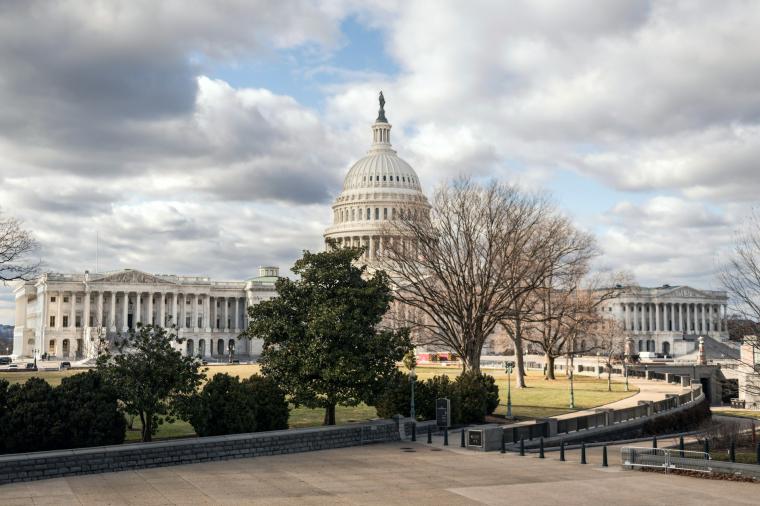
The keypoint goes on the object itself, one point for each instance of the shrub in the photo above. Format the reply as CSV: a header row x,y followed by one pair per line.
x,y
227,405
397,397
89,410
472,396
81,412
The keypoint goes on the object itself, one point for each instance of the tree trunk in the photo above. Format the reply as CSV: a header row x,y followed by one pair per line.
x,y
609,379
472,362
549,367
146,431
329,415
519,358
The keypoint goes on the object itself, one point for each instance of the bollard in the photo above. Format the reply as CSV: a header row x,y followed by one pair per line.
x,y
445,436
604,456
680,446
562,451
583,453
414,431
541,448
732,451
430,435
654,441
461,443
522,447
503,443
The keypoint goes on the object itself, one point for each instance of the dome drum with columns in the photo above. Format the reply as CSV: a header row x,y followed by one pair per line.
x,y
378,188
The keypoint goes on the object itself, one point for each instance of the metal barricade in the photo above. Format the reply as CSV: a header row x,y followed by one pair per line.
x,y
665,458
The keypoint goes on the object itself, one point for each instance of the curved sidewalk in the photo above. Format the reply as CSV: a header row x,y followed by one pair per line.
x,y
649,390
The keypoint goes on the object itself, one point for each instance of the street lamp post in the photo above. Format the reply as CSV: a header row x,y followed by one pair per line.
x,y
35,352
625,373
509,366
572,391
412,380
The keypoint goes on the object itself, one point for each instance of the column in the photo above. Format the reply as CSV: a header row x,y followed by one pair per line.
x,y
704,319
125,311
193,317
657,324
650,307
627,315
112,317
175,309
137,313
99,311
73,310
86,312
665,317
59,310
226,313
643,318
370,250
237,314
694,318
150,308
162,309
681,318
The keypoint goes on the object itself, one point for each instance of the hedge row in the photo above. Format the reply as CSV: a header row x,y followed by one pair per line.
x,y
82,411
472,396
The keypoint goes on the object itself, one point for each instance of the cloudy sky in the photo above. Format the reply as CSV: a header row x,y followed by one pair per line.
x,y
211,137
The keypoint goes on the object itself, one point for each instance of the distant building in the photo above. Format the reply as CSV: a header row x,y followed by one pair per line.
x,y
66,315
749,372
667,320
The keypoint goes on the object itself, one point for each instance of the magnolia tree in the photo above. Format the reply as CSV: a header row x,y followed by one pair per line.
x,y
323,343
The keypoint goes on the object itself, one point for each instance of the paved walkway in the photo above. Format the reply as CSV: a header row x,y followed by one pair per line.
x,y
392,473
648,391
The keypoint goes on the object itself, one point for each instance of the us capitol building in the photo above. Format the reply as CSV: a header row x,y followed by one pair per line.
x,y
65,315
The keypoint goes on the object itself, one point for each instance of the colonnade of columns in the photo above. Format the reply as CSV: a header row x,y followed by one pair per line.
x,y
375,244
120,310
690,318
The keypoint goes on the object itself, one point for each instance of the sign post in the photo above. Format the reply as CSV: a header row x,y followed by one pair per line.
x,y
443,413
509,366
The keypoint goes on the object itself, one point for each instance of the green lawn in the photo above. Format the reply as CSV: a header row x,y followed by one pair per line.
x,y
741,413
540,399
543,398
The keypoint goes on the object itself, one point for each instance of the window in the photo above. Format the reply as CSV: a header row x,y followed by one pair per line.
x,y
369,215
393,213
385,213
377,213
200,321
65,321
188,320
78,321
403,179
353,215
52,321
52,299
396,178
383,178
65,299
78,299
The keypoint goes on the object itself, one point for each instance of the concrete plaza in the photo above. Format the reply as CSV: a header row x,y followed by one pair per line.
x,y
392,473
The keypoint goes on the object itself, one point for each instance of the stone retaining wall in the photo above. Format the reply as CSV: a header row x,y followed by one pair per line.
x,y
54,464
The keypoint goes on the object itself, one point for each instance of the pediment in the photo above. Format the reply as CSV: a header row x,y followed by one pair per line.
x,y
129,276
686,292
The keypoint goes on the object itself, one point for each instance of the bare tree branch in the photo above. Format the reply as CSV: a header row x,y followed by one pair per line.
x,y
17,246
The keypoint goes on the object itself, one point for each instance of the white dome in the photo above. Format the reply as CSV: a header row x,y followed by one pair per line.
x,y
381,168
378,189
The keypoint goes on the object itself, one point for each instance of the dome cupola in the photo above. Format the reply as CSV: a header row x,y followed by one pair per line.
x,y
378,187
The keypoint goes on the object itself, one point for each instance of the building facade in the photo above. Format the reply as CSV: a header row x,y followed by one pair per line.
x,y
668,320
378,188
68,315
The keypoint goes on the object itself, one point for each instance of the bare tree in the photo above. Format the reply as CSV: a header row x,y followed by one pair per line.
x,y
16,249
741,278
460,268
609,339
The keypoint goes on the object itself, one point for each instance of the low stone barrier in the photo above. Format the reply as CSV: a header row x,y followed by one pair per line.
x,y
54,464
